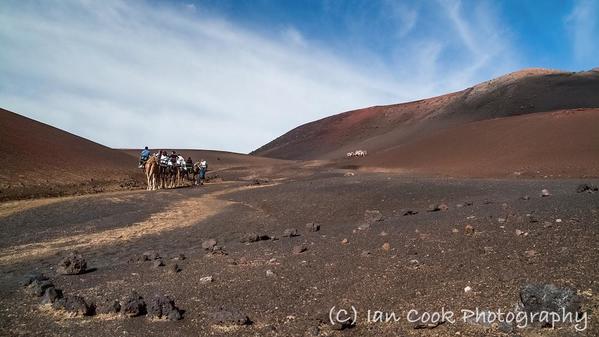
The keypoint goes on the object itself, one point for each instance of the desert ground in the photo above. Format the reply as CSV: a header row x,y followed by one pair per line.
x,y
482,199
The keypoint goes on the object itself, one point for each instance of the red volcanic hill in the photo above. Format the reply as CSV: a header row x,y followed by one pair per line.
x,y
40,160
496,128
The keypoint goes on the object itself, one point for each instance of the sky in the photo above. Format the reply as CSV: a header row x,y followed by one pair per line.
x,y
235,74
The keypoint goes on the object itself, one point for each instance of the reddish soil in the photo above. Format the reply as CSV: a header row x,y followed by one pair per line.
x,y
382,130
40,160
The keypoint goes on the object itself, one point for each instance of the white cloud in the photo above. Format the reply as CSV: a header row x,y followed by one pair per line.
x,y
129,74
582,24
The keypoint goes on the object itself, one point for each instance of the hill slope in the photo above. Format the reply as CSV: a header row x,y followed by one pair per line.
x,y
40,160
378,129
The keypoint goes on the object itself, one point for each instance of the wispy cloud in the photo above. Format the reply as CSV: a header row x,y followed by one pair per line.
x,y
583,25
141,73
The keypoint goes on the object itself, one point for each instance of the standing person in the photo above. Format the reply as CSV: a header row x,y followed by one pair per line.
x,y
202,166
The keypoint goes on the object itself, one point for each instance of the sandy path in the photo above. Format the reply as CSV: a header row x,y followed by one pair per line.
x,y
179,214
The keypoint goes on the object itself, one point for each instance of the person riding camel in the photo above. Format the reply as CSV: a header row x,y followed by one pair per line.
x,y
163,158
173,159
189,165
143,157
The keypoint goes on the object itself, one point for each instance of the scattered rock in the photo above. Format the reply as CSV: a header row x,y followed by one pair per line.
x,y
365,253
208,244
179,257
206,279
163,307
410,212
547,297
158,263
299,249
290,232
349,174
253,237
586,188
344,241
372,216
230,317
270,273
341,326
525,197
217,250
312,227
455,230
51,295
74,305
521,233
35,276
174,268
469,230
133,305
150,255
260,181
108,307
438,207
38,288
545,193
73,264
468,289
501,220
386,246
530,253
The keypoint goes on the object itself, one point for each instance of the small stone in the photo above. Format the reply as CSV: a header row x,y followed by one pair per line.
x,y
530,253
208,244
158,263
488,250
438,207
74,305
525,197
230,317
174,268
312,227
179,257
108,307
290,232
545,193
163,307
38,288
206,279
519,232
501,220
365,253
35,276
299,249
558,220
455,230
468,289
587,188
150,255
133,305
344,241
51,295
386,246
469,230
410,212
253,237
372,216
549,298
72,264
270,273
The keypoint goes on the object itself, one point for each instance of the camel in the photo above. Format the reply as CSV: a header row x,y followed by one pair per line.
x,y
151,169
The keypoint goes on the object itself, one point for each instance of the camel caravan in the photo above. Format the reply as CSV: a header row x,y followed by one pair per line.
x,y
357,153
171,171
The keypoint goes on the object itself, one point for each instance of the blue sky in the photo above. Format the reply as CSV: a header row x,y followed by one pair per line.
x,y
234,74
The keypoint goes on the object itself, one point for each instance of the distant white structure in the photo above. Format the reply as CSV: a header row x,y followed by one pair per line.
x,y
357,153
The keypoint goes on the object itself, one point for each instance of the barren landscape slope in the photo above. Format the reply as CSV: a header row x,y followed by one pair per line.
x,y
563,143
377,129
38,159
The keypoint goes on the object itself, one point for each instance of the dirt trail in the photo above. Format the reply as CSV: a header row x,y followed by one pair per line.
x,y
180,214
